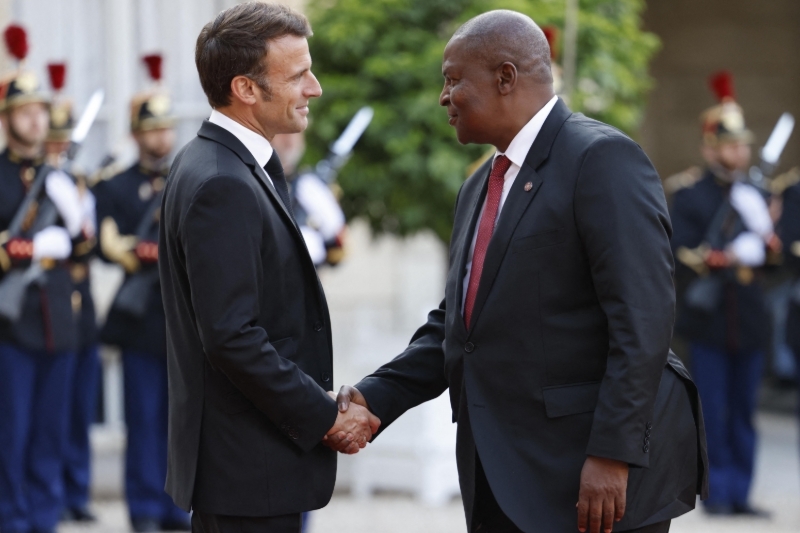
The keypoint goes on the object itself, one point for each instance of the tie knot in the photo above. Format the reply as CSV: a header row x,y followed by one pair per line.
x,y
273,167
501,166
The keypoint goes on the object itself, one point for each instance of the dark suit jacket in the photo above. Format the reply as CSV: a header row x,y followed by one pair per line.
x,y
248,340
568,352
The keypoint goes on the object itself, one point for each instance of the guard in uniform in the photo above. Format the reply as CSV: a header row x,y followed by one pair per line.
x,y
722,238
85,385
314,203
128,209
790,235
41,228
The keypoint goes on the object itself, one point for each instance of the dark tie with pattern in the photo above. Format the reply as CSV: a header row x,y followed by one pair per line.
x,y
485,231
275,172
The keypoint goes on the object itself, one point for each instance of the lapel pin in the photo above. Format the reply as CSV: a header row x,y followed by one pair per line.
x,y
528,186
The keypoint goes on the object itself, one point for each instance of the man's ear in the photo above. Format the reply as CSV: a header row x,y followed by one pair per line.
x,y
506,78
243,89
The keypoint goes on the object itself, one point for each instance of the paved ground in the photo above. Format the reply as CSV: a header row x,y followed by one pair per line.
x,y
777,488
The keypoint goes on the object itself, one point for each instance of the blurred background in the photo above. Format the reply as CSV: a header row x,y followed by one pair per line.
x,y
640,65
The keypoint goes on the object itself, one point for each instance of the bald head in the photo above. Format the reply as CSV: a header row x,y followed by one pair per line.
x,y
502,36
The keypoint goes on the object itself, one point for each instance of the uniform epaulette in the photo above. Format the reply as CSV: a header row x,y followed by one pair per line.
x,y
779,184
105,173
682,180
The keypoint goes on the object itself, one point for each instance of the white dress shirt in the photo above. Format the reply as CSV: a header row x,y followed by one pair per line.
x,y
516,152
254,142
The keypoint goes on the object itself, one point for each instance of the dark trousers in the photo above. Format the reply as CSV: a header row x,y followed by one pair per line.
x,y
728,385
77,457
146,454
210,523
34,404
488,517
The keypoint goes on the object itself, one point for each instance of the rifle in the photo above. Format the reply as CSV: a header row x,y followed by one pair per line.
x,y
771,152
340,151
14,284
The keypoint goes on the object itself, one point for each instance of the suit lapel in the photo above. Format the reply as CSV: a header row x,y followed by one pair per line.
x,y
522,193
218,134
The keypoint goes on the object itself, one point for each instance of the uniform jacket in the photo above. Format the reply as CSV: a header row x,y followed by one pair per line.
x,y
740,321
124,200
47,322
249,340
568,351
790,236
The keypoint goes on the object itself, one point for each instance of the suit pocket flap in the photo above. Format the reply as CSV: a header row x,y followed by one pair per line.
x,y
571,399
539,240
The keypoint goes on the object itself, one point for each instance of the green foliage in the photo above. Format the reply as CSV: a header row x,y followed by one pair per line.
x,y
408,167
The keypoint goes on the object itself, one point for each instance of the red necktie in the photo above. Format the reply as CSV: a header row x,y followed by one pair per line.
x,y
485,230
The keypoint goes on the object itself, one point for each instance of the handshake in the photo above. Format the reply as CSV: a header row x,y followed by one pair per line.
x,y
355,424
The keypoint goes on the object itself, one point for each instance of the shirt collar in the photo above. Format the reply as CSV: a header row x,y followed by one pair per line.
x,y
518,150
254,142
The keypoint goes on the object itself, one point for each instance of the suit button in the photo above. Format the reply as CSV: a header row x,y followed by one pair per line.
x,y
646,448
469,347
649,425
326,377
647,433
317,326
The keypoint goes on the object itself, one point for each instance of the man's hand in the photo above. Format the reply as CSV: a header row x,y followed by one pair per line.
x,y
601,500
354,426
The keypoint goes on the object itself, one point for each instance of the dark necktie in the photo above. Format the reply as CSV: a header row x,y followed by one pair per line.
x,y
485,231
275,172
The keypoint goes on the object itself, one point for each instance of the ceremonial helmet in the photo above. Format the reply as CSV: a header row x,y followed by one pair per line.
x,y
551,33
724,122
21,87
61,120
152,108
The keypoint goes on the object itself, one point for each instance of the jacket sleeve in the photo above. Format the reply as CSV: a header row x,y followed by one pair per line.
x,y
625,230
790,229
413,377
221,237
113,246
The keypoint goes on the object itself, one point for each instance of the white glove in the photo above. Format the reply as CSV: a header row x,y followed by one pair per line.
x,y
753,209
64,194
320,204
749,249
89,207
53,242
315,245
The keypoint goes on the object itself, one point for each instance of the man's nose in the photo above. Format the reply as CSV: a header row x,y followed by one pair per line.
x,y
444,98
314,89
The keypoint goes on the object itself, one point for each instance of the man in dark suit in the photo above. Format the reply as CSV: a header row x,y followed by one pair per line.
x,y
248,331
553,336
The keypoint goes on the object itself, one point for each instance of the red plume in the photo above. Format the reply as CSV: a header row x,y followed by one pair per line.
x,y
58,74
551,33
16,41
722,85
153,62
